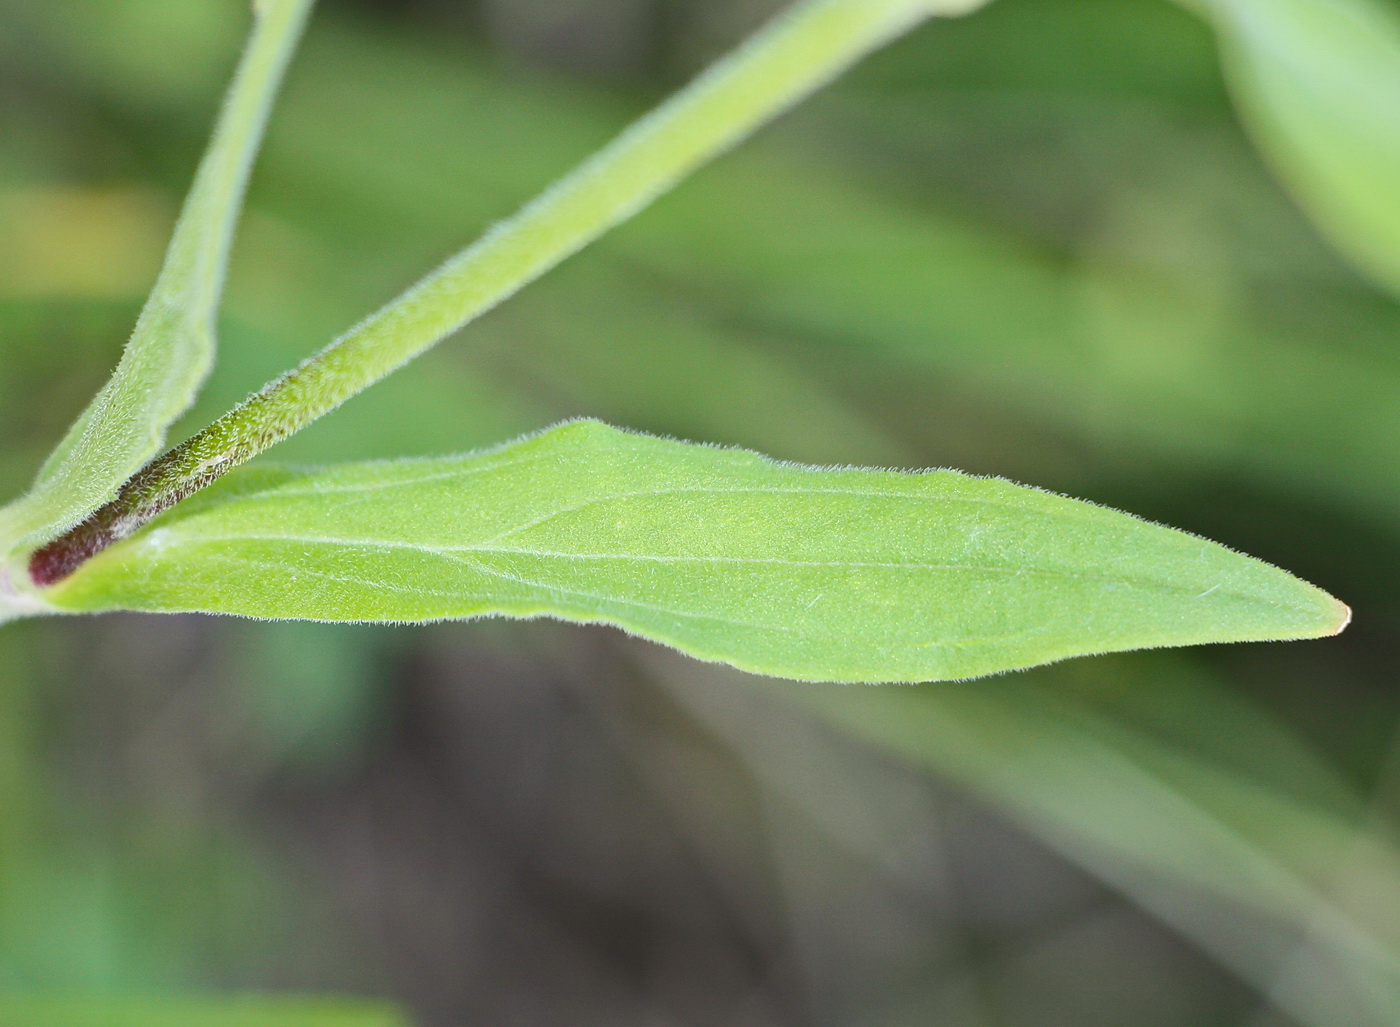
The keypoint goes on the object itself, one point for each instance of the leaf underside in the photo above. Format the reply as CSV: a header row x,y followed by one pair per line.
x,y
798,572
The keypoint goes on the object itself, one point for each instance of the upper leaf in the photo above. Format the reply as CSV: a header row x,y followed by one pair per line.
x,y
818,574
172,346
1318,81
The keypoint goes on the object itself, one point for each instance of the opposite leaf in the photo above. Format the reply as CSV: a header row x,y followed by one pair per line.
x,y
1318,82
798,572
172,346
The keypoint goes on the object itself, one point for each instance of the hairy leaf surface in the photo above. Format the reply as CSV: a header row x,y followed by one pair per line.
x,y
799,572
1319,83
172,346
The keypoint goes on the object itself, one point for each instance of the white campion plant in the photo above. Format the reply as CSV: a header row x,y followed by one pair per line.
x,y
836,574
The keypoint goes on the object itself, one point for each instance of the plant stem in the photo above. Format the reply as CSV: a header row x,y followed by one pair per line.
x,y
172,346
792,57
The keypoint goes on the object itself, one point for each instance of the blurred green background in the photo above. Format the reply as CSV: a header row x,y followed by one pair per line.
x,y
1035,244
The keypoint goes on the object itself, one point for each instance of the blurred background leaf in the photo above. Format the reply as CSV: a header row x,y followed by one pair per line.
x,y
1319,83
235,1012
1036,243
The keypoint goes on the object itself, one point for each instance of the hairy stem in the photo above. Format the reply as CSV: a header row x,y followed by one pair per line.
x,y
795,55
172,345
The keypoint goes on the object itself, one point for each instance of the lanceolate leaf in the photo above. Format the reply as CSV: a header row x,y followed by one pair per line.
x,y
799,572
1318,81
172,346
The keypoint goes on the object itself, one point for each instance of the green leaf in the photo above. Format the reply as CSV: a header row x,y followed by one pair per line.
x,y
172,346
125,1011
799,572
1318,82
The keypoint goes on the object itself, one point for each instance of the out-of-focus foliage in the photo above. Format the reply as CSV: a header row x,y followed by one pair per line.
x,y
237,1012
1238,842
1035,244
1319,82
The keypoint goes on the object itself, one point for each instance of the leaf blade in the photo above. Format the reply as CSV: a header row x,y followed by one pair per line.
x,y
839,575
172,346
